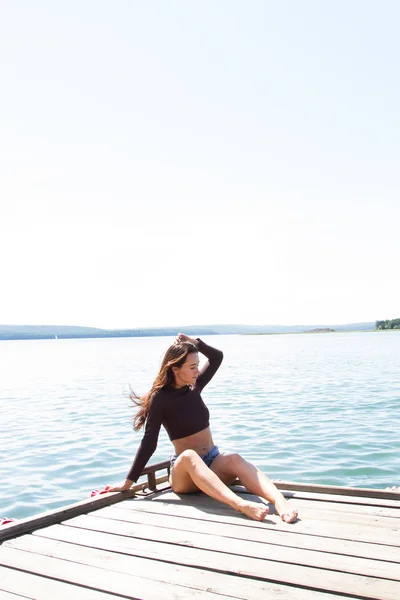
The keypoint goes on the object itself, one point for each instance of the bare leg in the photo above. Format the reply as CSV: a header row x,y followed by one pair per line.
x,y
226,466
190,473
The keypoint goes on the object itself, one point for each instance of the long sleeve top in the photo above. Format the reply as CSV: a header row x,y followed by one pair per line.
x,y
181,411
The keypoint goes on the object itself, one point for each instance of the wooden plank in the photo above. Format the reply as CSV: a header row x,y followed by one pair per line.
x,y
219,583
264,550
277,572
334,489
27,585
342,498
361,509
125,585
9,596
199,506
287,538
60,514
326,514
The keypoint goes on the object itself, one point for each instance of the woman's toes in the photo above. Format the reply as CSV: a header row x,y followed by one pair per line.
x,y
290,516
254,510
287,513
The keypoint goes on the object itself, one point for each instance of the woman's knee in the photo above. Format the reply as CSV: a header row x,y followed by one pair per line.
x,y
234,460
227,467
180,478
189,457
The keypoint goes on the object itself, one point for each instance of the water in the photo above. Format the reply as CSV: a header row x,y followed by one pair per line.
x,y
318,408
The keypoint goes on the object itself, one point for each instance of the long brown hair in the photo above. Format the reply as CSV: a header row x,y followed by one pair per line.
x,y
175,356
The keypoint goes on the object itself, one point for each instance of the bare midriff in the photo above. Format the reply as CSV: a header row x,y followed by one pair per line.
x,y
201,442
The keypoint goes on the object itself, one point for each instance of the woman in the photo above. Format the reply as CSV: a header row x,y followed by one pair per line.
x,y
174,401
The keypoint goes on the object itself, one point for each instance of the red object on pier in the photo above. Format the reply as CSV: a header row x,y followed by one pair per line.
x,y
5,520
98,492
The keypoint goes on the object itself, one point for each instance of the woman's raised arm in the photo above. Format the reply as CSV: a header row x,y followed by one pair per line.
x,y
212,365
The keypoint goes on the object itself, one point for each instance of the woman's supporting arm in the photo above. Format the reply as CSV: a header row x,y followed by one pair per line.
x,y
149,441
147,446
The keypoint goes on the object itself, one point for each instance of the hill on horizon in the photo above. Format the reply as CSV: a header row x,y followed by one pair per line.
x,y
26,332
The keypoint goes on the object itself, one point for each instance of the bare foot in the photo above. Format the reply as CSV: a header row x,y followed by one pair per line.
x,y
254,510
286,511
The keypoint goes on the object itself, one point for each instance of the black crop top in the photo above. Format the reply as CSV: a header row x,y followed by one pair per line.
x,y
181,411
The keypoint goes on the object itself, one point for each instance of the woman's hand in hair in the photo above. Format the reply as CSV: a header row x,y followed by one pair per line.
x,y
122,488
181,337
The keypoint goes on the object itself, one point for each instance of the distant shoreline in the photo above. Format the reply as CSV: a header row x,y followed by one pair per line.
x,y
317,332
46,332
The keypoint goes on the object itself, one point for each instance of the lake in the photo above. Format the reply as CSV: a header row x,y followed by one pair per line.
x,y
316,408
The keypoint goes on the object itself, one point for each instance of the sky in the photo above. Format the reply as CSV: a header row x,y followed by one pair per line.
x,y
176,163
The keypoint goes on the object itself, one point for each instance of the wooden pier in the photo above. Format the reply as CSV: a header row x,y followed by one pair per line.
x,y
149,543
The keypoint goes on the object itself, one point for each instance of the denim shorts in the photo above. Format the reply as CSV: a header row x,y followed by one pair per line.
x,y
206,458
